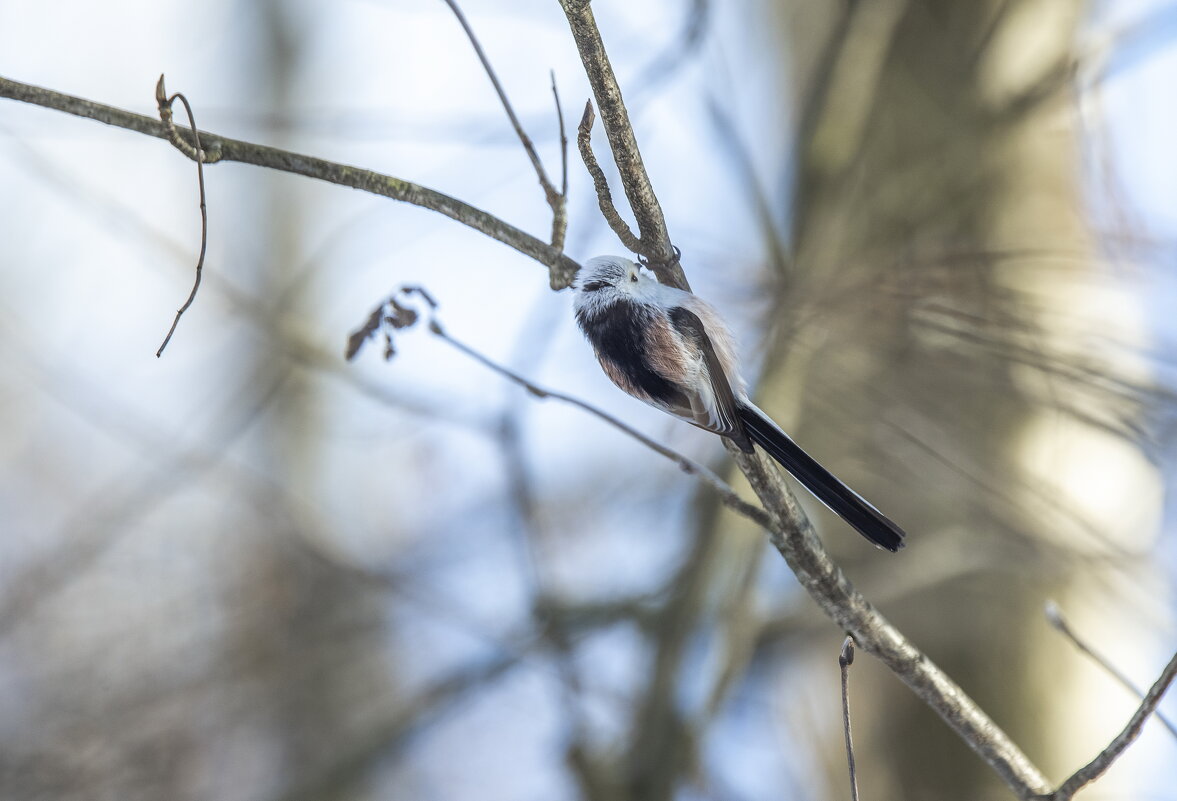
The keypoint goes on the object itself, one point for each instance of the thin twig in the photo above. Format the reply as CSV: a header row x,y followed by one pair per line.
x,y
563,138
845,660
549,190
727,495
1096,767
197,154
556,200
392,315
604,196
1054,616
560,217
561,268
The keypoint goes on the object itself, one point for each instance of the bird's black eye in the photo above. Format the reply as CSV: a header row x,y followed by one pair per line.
x,y
633,277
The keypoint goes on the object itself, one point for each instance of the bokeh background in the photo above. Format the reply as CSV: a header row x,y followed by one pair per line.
x,y
945,233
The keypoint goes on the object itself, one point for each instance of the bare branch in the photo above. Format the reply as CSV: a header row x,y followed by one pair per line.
x,y
561,268
1096,767
556,200
563,138
655,239
560,218
1054,616
794,537
198,155
604,196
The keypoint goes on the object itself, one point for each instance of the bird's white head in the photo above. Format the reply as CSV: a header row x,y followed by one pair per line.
x,y
606,279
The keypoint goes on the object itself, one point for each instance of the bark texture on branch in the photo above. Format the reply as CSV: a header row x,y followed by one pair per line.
x,y
561,268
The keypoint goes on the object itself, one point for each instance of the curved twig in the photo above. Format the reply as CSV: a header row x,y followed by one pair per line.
x,y
727,495
197,154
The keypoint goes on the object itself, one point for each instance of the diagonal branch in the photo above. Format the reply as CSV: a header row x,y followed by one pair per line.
x,y
1096,767
561,268
792,534
1059,622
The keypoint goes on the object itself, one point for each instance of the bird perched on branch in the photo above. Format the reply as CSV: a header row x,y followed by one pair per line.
x,y
670,349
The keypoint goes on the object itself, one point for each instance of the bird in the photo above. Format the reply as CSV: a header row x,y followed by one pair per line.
x,y
672,350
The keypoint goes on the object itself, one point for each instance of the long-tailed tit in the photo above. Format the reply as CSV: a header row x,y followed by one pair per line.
x,y
668,348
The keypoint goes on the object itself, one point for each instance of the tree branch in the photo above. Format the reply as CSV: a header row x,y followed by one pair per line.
x,y
794,537
727,495
655,240
1096,767
561,268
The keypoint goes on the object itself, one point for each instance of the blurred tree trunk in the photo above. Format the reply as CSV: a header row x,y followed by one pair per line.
x,y
309,631
938,232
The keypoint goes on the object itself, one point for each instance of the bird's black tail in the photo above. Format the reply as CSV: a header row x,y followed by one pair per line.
x,y
845,502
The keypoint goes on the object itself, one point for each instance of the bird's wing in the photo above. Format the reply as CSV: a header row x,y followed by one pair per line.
x,y
714,406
